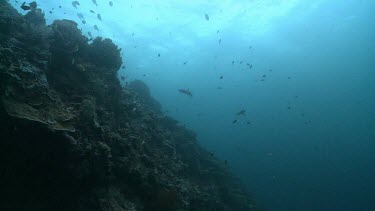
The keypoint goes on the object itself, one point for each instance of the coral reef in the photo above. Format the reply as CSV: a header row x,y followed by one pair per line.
x,y
71,138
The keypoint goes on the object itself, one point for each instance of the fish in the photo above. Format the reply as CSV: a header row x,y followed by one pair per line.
x,y
99,16
80,16
158,54
234,121
89,33
92,11
217,32
75,4
186,92
251,66
219,41
24,7
96,28
242,112
185,62
241,62
94,1
83,22
207,17
133,34
232,62
221,77
110,3
248,122
219,87
264,75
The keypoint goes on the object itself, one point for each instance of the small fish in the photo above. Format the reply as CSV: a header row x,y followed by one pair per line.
x,y
225,162
133,34
221,77
248,123
289,107
92,11
111,3
251,66
60,6
75,4
94,1
264,75
158,54
123,78
186,92
217,32
83,22
289,78
24,7
270,70
219,87
211,154
99,16
80,16
242,112
241,62
234,121
96,28
232,62
219,41
50,12
185,62
123,67
89,33
207,17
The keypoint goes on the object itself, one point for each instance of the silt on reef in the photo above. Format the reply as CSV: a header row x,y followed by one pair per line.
x,y
71,138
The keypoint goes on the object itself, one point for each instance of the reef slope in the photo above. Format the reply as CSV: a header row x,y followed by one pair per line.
x,y
71,138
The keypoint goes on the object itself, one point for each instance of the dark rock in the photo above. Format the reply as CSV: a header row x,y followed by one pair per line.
x,y
144,94
71,138
105,53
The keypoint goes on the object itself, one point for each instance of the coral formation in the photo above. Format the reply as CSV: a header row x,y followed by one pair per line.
x,y
71,138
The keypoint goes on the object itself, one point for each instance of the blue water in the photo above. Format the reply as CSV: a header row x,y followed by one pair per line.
x,y
308,137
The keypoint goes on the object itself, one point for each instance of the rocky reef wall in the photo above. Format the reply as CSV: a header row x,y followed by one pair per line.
x,y
71,138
